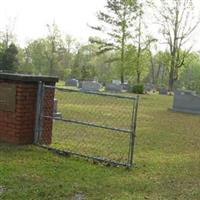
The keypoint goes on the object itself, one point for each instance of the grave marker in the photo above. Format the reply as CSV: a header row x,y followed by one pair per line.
x,y
186,101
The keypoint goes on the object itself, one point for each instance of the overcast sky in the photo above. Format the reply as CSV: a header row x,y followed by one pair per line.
x,y
72,16
31,16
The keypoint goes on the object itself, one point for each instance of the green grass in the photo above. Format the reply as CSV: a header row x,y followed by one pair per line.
x,y
167,158
101,110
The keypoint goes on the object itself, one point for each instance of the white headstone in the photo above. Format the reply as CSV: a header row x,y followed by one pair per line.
x,y
116,82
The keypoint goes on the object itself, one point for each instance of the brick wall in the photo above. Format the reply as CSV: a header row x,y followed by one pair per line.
x,y
47,123
18,127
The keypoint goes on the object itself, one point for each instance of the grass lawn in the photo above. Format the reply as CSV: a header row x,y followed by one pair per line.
x,y
100,110
167,158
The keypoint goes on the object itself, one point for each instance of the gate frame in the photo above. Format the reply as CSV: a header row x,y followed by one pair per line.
x,y
131,131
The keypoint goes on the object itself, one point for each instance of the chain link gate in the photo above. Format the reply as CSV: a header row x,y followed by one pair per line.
x,y
98,126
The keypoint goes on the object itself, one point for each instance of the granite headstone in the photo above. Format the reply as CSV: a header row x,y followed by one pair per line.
x,y
163,91
71,82
91,86
149,87
111,87
186,101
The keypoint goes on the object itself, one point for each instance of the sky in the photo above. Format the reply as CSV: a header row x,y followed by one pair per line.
x,y
29,18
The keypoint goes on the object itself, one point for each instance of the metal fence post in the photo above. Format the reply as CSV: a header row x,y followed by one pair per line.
x,y
38,113
132,134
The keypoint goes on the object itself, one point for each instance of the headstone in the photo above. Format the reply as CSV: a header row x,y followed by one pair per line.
x,y
71,82
92,86
125,86
96,79
163,91
55,109
111,87
116,82
149,87
80,84
186,101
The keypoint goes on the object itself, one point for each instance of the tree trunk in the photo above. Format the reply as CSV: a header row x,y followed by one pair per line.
x,y
171,72
152,69
158,73
171,81
123,45
51,68
139,50
122,64
122,77
138,77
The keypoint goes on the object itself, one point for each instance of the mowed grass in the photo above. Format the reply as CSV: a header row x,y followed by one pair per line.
x,y
167,164
106,111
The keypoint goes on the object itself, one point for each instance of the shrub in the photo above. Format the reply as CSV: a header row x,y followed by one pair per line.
x,y
138,89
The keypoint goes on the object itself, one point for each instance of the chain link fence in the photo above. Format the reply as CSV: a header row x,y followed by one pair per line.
x,y
97,126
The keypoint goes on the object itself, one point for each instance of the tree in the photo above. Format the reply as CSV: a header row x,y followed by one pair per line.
x,y
139,44
7,36
82,68
141,40
9,59
152,45
177,24
190,73
35,59
8,49
116,22
159,68
69,46
54,44
131,64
